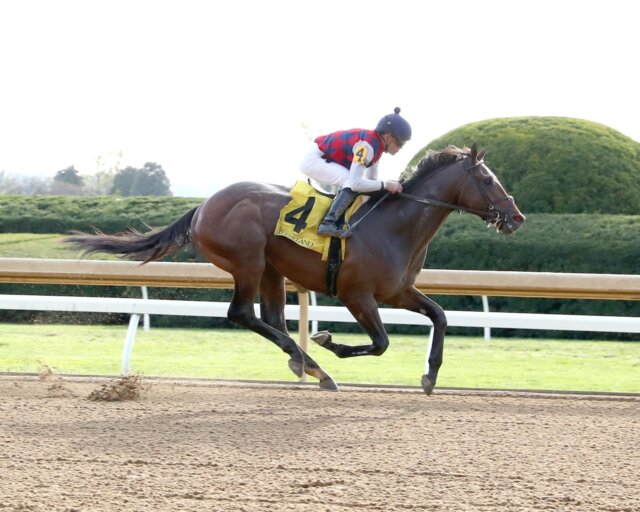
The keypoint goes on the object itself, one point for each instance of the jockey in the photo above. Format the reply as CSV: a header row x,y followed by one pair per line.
x,y
348,160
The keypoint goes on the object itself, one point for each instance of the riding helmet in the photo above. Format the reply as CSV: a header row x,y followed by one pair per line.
x,y
395,125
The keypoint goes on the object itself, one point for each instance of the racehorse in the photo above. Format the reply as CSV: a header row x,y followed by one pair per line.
x,y
234,230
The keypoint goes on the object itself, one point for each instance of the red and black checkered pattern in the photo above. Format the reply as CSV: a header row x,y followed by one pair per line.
x,y
338,146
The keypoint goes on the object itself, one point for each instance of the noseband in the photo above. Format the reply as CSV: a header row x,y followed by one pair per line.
x,y
492,215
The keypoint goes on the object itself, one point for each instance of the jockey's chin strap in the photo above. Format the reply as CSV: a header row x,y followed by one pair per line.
x,y
491,215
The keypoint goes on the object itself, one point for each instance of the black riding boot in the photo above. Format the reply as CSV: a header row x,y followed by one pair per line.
x,y
341,203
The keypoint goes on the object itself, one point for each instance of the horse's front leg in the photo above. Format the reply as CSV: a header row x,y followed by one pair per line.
x,y
365,311
413,300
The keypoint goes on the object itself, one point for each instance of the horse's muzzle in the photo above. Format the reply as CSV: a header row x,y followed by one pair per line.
x,y
509,222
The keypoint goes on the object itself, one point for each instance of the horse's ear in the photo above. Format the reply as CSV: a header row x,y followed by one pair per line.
x,y
481,155
474,152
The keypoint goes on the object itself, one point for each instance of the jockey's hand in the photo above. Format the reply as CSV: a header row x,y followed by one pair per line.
x,y
393,186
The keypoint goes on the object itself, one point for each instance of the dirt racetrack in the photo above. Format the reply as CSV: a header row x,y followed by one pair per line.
x,y
191,446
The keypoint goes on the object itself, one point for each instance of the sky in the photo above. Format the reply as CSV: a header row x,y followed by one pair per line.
x,y
220,92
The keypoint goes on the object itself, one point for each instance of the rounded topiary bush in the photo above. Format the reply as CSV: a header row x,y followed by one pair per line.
x,y
556,164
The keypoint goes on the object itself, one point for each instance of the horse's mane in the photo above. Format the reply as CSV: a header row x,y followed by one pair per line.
x,y
432,162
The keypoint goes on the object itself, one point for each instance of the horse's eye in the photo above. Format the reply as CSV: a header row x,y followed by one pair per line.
x,y
488,181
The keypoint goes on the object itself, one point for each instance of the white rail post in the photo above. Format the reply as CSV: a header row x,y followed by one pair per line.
x,y
146,323
314,323
485,308
128,344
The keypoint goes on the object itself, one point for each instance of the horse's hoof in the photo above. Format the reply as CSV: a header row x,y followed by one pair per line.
x,y
328,384
296,367
427,385
321,338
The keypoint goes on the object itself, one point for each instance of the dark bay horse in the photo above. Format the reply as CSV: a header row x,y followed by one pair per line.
x,y
234,230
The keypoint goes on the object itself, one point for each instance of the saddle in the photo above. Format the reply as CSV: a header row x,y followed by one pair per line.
x,y
299,220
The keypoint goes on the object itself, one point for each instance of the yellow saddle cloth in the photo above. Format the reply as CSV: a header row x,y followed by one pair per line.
x,y
299,218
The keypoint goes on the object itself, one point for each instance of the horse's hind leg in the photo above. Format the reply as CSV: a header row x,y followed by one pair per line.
x,y
272,302
241,312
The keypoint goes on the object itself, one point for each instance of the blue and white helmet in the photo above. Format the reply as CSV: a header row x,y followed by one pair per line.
x,y
395,125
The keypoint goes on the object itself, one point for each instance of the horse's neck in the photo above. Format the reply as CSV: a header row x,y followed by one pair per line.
x,y
414,224
423,221
419,223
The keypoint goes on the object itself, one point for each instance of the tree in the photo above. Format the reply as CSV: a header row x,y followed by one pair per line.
x,y
100,183
123,182
67,182
13,184
107,164
9,184
70,175
151,180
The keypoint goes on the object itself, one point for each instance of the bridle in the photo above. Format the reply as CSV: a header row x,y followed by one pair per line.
x,y
491,215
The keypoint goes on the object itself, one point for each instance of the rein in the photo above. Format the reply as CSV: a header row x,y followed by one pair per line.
x,y
451,206
491,215
355,224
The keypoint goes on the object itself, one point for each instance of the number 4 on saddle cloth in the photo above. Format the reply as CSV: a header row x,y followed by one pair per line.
x,y
300,217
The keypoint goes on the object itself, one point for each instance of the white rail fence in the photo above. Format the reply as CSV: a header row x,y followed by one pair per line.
x,y
595,286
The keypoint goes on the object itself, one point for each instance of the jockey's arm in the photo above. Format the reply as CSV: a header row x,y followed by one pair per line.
x,y
363,179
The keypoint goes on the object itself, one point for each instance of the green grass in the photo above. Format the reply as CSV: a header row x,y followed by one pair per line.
x,y
229,354
27,245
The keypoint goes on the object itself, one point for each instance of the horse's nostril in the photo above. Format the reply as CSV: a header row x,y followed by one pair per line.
x,y
519,218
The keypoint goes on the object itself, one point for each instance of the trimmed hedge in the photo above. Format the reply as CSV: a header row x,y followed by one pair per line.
x,y
556,164
111,214
585,243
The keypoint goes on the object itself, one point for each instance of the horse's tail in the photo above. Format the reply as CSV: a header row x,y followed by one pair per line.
x,y
135,245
